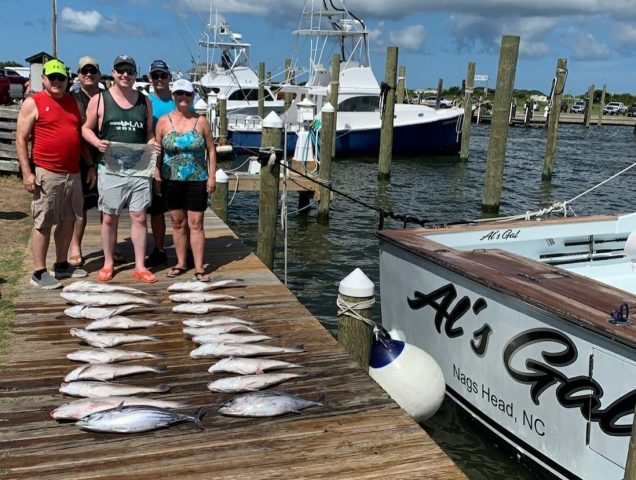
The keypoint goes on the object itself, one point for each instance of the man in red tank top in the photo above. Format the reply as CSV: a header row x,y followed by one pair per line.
x,y
51,120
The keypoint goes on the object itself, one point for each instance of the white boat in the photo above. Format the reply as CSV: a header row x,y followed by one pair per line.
x,y
529,321
228,71
329,29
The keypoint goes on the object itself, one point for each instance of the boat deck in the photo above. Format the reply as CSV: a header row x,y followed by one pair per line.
x,y
360,433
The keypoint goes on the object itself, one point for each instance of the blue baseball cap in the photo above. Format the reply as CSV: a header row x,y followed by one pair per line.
x,y
159,66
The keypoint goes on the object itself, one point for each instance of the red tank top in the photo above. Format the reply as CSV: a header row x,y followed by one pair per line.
x,y
56,133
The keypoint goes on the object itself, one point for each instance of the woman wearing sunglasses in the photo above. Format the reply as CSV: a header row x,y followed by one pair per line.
x,y
188,176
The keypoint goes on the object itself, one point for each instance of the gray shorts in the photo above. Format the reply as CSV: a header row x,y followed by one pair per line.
x,y
57,198
117,192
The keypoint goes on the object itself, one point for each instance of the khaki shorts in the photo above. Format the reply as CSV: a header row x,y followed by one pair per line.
x,y
117,192
58,198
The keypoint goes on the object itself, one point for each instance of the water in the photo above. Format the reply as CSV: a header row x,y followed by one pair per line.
x,y
444,190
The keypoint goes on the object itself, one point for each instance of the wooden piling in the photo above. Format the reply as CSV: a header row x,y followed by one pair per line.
x,y
468,111
326,143
553,120
401,84
438,98
588,106
388,109
220,195
271,138
600,110
508,55
288,79
333,99
222,104
261,89
630,467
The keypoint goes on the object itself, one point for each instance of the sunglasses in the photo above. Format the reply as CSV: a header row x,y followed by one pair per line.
x,y
56,77
87,70
159,75
181,92
130,71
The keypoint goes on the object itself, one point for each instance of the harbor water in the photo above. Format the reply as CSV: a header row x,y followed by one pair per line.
x,y
441,190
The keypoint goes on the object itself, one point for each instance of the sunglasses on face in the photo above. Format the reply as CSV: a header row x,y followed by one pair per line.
x,y
56,77
159,75
87,70
130,71
181,92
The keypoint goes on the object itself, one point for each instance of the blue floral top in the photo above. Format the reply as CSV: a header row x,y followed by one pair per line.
x,y
184,156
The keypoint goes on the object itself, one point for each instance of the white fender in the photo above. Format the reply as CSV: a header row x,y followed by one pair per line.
x,y
408,374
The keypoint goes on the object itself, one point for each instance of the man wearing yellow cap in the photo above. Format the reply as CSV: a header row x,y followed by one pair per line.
x,y
52,119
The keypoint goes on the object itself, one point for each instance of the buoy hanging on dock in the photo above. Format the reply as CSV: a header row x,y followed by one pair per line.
x,y
408,374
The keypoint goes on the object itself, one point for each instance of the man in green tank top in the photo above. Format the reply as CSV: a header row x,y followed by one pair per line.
x,y
122,114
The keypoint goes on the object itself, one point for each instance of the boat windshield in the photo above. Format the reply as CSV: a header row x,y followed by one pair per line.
x,y
360,104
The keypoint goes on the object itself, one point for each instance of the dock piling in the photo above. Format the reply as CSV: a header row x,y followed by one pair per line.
x,y
288,80
219,197
553,119
222,104
600,110
388,109
333,98
468,111
401,81
326,144
588,106
261,89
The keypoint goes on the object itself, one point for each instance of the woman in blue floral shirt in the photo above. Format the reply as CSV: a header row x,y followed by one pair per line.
x,y
188,175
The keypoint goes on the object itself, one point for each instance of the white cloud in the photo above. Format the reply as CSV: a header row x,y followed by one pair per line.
x,y
585,46
410,38
78,21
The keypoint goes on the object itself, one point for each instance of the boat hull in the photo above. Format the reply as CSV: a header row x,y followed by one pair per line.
x,y
559,390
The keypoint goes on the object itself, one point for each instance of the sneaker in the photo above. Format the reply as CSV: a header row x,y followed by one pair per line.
x,y
69,272
46,281
156,258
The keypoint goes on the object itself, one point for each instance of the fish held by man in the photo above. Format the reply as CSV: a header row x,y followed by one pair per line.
x,y
220,350
105,339
91,388
249,366
251,383
266,404
136,418
107,371
195,286
83,407
106,299
109,355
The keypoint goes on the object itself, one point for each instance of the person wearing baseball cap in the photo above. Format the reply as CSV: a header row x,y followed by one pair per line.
x,y
122,60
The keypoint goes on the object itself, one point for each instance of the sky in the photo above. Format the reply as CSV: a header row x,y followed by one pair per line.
x,y
436,38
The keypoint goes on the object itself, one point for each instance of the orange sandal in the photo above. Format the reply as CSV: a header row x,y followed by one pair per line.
x,y
105,274
145,276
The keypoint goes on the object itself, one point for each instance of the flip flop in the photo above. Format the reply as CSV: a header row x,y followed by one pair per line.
x,y
201,277
76,260
176,272
105,274
145,276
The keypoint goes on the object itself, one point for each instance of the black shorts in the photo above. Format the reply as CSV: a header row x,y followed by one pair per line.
x,y
158,203
90,194
192,196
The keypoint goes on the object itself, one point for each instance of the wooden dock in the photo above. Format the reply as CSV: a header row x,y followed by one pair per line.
x,y
359,433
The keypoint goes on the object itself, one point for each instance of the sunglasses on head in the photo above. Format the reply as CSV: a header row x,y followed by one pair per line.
x,y
87,70
129,71
159,75
181,92
56,77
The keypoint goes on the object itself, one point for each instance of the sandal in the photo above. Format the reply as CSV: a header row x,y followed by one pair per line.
x,y
145,276
105,274
76,260
176,272
201,277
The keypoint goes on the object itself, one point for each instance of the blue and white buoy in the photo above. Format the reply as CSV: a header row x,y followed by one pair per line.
x,y
408,374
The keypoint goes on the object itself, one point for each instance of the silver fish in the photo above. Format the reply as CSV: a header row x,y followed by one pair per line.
x,y
250,383
119,322
107,371
105,299
136,418
99,287
248,366
95,313
213,320
220,350
221,328
194,286
86,388
109,355
85,406
203,307
230,338
104,339
200,297
266,404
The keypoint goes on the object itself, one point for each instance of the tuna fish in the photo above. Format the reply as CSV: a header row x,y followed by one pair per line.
x,y
200,297
119,322
230,338
136,418
109,355
85,406
95,313
250,383
105,299
266,404
95,339
220,350
220,328
247,366
98,287
213,320
194,286
106,371
84,388
203,307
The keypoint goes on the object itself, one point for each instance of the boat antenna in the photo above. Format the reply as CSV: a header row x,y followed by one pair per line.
x,y
344,9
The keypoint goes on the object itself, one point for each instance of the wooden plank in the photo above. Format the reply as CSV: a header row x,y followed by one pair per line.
x,y
10,113
11,126
7,136
9,165
251,183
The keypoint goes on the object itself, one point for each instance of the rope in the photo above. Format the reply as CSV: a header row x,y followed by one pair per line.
x,y
345,308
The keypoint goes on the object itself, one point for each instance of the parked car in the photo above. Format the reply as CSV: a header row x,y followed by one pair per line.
x,y
432,102
631,110
578,106
5,92
614,108
17,81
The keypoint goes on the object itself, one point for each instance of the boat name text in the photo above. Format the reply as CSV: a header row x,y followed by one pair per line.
x,y
500,235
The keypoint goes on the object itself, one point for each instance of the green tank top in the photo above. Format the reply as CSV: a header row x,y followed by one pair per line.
x,y
124,125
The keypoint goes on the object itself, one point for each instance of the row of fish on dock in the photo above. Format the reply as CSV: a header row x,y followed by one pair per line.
x,y
107,406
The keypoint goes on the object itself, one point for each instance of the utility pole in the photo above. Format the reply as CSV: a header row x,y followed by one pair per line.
x,y
54,28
